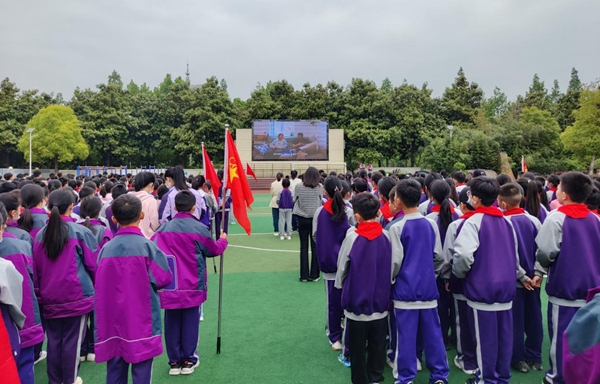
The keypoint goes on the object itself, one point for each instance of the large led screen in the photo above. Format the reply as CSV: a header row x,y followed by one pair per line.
x,y
286,140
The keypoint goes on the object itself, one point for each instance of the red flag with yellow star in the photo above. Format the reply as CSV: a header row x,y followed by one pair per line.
x,y
235,179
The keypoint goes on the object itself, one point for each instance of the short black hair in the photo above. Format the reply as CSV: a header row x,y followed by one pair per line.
x,y
142,179
126,209
409,192
593,200
503,179
359,186
577,185
86,192
511,194
478,173
385,185
37,173
459,176
294,173
285,183
554,180
185,201
8,175
375,177
118,190
485,188
366,205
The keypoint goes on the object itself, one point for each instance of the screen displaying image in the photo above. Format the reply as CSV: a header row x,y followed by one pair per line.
x,y
287,140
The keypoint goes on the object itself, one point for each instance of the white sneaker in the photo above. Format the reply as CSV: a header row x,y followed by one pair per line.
x,y
459,364
276,234
289,237
188,368
201,317
78,380
175,370
91,357
82,358
43,355
419,367
281,237
337,346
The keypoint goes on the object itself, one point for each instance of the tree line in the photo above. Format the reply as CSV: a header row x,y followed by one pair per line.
x,y
387,125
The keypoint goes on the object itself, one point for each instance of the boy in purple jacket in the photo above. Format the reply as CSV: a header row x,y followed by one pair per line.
x,y
130,271
187,243
485,256
567,246
527,306
417,254
364,275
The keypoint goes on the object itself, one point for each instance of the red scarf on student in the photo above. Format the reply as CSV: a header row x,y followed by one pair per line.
x,y
386,212
576,211
438,207
492,211
369,229
327,206
514,211
466,215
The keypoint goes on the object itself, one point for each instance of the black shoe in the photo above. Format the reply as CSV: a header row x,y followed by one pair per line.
x,y
535,366
472,380
521,366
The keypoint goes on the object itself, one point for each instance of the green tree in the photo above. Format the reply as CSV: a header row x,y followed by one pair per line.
x,y
58,136
583,137
569,102
496,105
537,95
461,99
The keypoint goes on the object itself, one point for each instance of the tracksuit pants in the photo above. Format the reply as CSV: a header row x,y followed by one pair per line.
x,y
493,330
335,313
559,317
181,334
426,324
64,338
367,338
527,320
24,362
465,341
117,370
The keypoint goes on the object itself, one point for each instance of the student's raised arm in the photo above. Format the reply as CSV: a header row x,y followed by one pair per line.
x,y
158,268
465,246
549,239
209,247
344,258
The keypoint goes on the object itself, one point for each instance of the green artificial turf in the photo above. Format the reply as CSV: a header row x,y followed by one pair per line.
x,y
273,325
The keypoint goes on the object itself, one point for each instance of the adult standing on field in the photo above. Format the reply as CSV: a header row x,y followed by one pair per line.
x,y
307,197
276,187
293,182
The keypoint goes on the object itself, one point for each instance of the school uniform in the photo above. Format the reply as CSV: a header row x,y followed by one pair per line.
x,y
542,215
364,275
11,320
417,250
169,211
40,218
19,253
328,236
485,256
219,213
128,329
65,289
392,331
285,202
567,245
386,213
12,227
445,305
187,243
426,207
527,305
581,340
465,339
551,194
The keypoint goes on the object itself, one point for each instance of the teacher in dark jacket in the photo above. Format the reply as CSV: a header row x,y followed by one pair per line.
x,y
307,198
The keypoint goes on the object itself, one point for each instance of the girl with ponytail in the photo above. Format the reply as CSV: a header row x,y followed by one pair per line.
x,y
531,199
64,259
34,216
330,224
12,203
384,188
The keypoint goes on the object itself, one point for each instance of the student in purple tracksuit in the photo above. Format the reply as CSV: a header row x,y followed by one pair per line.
x,y
131,269
443,213
118,190
11,297
417,251
176,176
426,206
485,256
187,243
465,358
64,259
330,224
31,333
285,202
12,203
567,246
581,340
89,211
527,306
364,275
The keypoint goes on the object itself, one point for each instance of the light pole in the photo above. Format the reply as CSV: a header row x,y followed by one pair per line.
x,y
30,131
451,128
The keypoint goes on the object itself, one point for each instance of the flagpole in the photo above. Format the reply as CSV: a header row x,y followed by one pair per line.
x,y
204,173
224,197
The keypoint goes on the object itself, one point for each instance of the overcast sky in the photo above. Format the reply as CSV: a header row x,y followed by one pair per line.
x,y
55,46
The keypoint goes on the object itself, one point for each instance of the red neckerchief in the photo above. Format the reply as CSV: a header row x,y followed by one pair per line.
x,y
466,215
369,229
438,207
514,211
385,211
576,211
460,184
552,189
327,206
492,211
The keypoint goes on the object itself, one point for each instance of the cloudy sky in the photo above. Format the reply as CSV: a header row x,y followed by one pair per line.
x,y
55,46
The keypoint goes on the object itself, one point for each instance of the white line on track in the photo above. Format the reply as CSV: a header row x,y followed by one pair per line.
x,y
262,249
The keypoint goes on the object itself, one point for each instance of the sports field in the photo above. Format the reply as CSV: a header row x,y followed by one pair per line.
x,y
273,325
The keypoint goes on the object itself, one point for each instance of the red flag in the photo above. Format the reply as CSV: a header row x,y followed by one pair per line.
x,y
235,179
10,375
523,164
250,171
209,171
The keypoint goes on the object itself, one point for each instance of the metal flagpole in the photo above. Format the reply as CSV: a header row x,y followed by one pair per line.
x,y
204,173
224,197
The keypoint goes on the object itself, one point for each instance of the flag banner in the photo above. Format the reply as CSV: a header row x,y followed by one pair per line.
x,y
523,164
250,171
209,171
241,195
